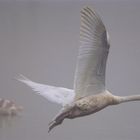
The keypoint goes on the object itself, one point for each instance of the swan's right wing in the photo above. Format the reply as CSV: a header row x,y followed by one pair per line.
x,y
93,52
58,95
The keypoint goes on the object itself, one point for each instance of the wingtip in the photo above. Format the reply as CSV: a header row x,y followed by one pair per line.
x,y
88,13
87,8
21,78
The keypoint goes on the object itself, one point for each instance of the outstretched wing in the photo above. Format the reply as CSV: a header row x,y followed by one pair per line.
x,y
58,95
93,52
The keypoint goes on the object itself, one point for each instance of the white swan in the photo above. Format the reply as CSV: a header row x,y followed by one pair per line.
x,y
89,94
9,108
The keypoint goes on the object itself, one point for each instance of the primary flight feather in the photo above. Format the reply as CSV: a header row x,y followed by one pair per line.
x,y
90,94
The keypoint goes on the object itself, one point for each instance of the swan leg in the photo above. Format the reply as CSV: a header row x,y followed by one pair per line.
x,y
54,124
59,118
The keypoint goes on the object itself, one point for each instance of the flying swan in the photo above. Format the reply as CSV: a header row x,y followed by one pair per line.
x,y
90,94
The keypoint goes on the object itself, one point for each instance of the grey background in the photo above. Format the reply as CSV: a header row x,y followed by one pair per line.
x,y
40,40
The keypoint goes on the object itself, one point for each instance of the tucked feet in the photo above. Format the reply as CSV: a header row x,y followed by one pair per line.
x,y
54,124
59,119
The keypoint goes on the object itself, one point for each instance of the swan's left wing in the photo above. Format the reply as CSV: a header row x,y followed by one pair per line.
x,y
54,94
93,52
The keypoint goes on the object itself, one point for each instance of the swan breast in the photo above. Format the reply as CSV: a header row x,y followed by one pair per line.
x,y
95,102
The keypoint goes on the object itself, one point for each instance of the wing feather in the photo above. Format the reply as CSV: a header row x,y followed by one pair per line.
x,y
93,52
54,94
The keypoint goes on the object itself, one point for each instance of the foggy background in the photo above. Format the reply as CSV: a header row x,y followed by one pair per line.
x,y
40,40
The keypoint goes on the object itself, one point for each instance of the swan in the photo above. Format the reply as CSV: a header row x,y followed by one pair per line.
x,y
9,107
90,94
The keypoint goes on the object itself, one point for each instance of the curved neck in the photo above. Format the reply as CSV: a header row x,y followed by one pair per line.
x,y
128,98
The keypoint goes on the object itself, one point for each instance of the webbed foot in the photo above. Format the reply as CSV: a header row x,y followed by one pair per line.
x,y
58,119
53,124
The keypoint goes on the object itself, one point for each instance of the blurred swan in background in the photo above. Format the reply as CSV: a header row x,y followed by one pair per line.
x,y
90,94
9,112
9,107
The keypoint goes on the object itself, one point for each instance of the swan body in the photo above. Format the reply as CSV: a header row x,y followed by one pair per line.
x,y
89,94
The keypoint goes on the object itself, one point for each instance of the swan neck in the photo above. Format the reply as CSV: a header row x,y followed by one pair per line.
x,y
129,98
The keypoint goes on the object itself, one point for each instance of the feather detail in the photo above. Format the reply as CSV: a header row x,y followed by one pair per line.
x,y
92,57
